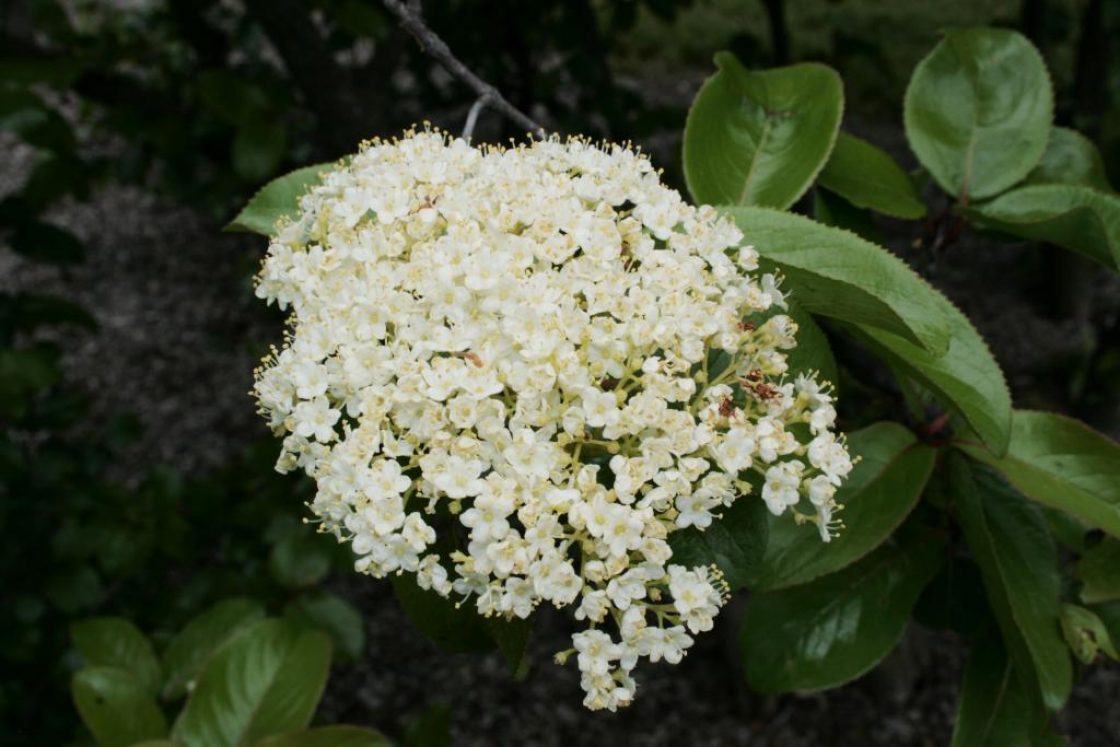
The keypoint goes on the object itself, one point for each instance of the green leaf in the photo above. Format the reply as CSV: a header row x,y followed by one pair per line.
x,y
431,727
1099,572
54,178
116,642
512,639
1070,158
831,209
995,708
880,492
966,377
25,312
1109,615
43,242
116,707
836,274
265,681
1018,561
452,627
258,148
76,589
1086,634
1075,217
29,117
813,352
232,98
22,70
24,372
868,177
978,111
459,628
760,138
1061,463
188,652
300,560
955,600
836,628
328,736
735,542
278,199
334,616
1068,531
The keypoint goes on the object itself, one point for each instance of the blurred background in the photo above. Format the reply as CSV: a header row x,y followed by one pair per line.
x,y
135,477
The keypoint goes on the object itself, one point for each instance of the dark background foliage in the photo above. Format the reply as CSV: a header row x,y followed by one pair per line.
x,y
134,478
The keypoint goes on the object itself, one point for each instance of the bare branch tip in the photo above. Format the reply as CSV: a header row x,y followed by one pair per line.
x,y
408,13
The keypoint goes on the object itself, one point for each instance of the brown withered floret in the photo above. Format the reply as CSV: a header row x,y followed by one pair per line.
x,y
764,392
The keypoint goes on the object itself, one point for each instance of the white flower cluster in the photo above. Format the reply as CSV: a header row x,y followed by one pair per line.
x,y
516,372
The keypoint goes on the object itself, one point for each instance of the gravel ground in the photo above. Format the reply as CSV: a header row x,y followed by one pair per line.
x,y
176,311
180,331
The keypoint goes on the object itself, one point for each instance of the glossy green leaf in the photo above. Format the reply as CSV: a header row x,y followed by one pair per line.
x,y
265,681
760,138
978,110
1068,531
995,708
1009,539
868,177
880,492
1099,572
116,707
831,209
300,560
188,652
334,616
813,351
735,542
512,639
1061,463
278,199
116,642
328,736
1075,217
838,627
837,274
453,628
1086,634
1070,158
967,377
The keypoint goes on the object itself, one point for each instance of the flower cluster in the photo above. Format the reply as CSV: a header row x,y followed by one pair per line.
x,y
515,373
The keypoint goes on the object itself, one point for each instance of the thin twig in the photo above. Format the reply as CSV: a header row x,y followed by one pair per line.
x,y
437,48
472,117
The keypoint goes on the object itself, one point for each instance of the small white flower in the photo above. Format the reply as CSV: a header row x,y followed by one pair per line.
x,y
782,487
544,360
